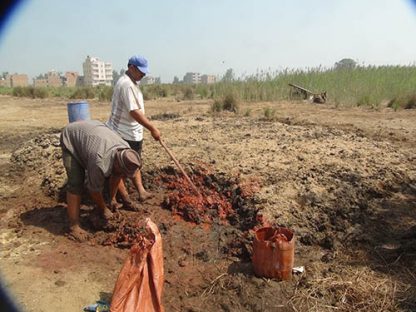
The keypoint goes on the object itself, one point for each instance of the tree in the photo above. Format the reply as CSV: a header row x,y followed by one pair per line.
x,y
346,63
175,80
229,75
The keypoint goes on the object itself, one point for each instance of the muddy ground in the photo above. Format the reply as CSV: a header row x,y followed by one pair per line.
x,y
343,179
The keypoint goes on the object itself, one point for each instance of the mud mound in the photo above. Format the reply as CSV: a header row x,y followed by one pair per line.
x,y
226,209
41,159
123,231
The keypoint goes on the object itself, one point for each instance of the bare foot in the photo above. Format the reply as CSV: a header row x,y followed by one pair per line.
x,y
132,206
107,214
78,234
115,205
144,195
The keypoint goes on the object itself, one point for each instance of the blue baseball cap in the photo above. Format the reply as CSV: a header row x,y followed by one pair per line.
x,y
140,62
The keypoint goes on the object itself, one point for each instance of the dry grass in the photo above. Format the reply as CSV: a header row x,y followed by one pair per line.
x,y
354,289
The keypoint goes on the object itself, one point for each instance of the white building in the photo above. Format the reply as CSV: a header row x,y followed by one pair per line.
x,y
97,72
207,79
192,78
147,80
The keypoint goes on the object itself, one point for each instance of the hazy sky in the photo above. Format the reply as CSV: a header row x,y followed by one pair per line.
x,y
207,36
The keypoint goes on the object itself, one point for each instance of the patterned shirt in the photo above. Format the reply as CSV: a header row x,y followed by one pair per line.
x,y
126,97
94,146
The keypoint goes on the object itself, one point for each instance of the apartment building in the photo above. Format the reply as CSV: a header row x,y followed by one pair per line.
x,y
206,79
192,78
97,72
70,79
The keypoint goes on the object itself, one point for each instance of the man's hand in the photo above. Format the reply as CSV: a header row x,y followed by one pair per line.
x,y
155,134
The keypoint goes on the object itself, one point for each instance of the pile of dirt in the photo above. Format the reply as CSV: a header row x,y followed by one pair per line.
x,y
42,157
222,199
229,202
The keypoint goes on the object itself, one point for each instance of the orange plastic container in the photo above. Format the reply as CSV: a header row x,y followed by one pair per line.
x,y
274,253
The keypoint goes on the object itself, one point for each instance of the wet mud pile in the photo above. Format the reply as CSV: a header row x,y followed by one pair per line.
x,y
225,207
227,202
122,231
221,200
213,204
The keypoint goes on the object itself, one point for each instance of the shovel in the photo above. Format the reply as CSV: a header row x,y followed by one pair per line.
x,y
180,167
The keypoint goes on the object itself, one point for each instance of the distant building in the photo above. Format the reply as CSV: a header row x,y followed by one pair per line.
x,y
50,79
70,79
208,79
97,72
40,82
148,80
192,78
5,81
53,79
18,80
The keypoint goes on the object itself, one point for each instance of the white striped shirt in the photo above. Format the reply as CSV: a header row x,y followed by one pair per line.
x,y
126,97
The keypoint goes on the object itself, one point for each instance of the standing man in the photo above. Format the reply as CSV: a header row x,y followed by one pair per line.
x,y
91,149
127,118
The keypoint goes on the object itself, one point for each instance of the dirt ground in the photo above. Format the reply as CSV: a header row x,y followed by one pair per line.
x,y
343,179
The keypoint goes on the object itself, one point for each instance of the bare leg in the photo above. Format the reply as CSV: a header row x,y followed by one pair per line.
x,y
114,188
73,206
122,190
138,183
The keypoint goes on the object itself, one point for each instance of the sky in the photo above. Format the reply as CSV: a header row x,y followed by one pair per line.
x,y
207,36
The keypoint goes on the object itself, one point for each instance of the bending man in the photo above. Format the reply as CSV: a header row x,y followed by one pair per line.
x,y
91,149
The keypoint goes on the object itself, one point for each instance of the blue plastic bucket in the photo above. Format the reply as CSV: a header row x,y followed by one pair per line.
x,y
78,111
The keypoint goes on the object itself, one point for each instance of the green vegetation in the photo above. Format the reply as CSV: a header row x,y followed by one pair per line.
x,y
269,113
347,85
406,102
228,103
359,86
31,92
368,86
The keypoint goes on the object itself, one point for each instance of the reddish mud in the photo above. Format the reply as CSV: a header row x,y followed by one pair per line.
x,y
213,204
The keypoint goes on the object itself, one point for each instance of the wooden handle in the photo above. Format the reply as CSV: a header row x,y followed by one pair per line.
x,y
179,166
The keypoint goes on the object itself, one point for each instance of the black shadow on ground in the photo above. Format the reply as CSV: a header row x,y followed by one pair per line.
x,y
54,219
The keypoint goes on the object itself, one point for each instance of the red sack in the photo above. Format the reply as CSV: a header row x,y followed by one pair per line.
x,y
140,282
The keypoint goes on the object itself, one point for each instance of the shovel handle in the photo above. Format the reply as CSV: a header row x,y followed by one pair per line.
x,y
179,166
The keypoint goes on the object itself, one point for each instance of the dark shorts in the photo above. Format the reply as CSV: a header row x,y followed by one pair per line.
x,y
74,171
136,145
